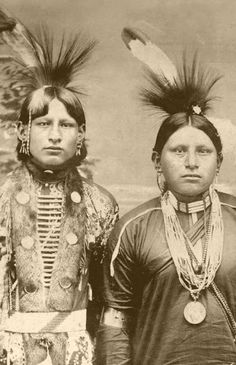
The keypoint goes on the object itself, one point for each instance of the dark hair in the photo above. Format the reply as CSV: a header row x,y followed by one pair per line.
x,y
180,120
37,102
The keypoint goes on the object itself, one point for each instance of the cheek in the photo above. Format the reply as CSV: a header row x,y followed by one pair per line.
x,y
34,141
210,166
73,141
171,166
71,144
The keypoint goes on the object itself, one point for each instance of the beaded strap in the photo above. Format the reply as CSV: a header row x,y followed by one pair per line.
x,y
224,305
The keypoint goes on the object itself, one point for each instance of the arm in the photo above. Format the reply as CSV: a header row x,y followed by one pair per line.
x,y
114,334
113,339
107,221
5,258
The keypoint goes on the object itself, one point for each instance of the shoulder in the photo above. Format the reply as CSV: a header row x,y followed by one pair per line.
x,y
139,215
8,185
99,196
15,178
227,200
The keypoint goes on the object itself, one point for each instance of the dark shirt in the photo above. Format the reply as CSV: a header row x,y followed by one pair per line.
x,y
145,284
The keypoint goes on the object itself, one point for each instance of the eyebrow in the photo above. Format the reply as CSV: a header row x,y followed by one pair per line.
x,y
50,119
187,145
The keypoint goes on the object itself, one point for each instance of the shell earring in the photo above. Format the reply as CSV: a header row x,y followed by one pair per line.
x,y
25,139
23,147
79,146
161,180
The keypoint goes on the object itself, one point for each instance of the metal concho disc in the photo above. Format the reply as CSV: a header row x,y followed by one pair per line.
x,y
194,312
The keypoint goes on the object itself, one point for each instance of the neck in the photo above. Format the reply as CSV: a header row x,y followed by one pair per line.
x,y
47,173
189,199
200,203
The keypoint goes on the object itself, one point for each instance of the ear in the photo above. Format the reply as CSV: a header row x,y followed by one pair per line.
x,y
81,134
21,131
156,159
219,161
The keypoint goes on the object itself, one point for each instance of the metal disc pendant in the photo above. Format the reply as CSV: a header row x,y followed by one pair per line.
x,y
22,197
75,197
194,312
27,242
71,238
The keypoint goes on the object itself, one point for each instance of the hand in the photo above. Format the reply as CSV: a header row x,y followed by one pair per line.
x,y
3,353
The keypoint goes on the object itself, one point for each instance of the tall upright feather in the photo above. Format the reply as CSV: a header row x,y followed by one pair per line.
x,y
190,91
46,64
15,35
148,53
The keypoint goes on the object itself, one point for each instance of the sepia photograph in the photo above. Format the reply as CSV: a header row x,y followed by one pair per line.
x,y
118,182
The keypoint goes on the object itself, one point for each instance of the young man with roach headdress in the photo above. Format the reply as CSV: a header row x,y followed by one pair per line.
x,y
53,223
170,274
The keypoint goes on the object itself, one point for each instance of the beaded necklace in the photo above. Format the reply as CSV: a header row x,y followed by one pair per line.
x,y
194,276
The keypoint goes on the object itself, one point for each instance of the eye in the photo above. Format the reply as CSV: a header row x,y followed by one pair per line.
x,y
67,125
42,123
180,150
204,151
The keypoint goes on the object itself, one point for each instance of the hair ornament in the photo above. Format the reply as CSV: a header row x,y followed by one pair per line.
x,y
147,52
46,64
171,89
196,109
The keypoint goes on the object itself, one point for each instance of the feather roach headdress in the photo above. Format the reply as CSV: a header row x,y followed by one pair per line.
x,y
186,89
42,63
46,68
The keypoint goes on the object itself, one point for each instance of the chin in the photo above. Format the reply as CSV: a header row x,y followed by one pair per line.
x,y
51,163
193,193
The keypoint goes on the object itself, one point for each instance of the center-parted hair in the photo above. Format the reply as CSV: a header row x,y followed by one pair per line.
x,y
68,98
53,71
182,102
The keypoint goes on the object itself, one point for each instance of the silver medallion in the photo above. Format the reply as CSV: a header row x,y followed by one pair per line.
x,y
65,282
71,238
75,197
194,312
22,197
27,242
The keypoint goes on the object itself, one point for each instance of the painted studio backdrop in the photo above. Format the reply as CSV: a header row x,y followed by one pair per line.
x,y
120,132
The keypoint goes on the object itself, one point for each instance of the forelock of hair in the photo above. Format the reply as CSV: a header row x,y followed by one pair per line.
x,y
180,120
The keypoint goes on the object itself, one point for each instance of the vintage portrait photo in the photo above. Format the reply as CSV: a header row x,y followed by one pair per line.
x,y
117,182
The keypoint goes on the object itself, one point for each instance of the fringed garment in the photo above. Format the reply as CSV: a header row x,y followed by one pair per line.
x,y
54,250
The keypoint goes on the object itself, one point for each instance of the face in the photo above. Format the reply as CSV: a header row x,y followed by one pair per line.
x,y
189,163
54,136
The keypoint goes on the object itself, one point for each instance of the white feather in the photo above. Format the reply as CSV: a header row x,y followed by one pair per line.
x,y
17,40
148,53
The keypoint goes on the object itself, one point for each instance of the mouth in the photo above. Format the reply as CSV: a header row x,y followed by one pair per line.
x,y
53,148
191,176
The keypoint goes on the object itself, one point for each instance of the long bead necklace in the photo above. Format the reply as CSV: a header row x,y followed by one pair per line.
x,y
181,249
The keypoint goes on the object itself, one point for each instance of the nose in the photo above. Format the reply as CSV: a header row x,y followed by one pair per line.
x,y
191,160
54,134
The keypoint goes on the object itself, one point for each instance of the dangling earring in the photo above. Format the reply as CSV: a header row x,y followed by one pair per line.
x,y
23,147
28,134
161,181
215,182
79,146
25,140
160,177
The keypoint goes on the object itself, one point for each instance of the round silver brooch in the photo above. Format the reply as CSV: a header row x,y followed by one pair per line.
x,y
22,198
27,242
65,282
71,238
75,197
